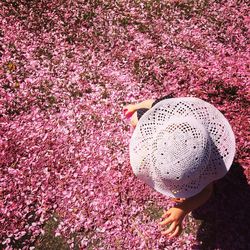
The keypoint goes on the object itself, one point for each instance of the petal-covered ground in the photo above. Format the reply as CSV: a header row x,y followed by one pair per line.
x,y
67,68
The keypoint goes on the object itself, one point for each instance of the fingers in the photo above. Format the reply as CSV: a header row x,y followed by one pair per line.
x,y
166,214
128,114
173,231
129,110
170,229
172,216
177,232
166,221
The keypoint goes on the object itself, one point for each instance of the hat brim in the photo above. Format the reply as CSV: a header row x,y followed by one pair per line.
x,y
218,127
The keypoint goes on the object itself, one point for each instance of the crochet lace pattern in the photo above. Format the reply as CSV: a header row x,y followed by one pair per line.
x,y
181,145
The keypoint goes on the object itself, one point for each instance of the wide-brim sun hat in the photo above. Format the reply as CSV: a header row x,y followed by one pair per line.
x,y
181,145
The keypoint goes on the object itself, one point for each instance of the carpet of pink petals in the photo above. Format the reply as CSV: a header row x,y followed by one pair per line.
x,y
67,68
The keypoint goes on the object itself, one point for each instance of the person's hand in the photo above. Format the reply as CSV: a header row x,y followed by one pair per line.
x,y
173,217
129,110
130,113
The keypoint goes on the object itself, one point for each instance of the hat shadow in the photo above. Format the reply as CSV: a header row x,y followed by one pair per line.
x,y
225,218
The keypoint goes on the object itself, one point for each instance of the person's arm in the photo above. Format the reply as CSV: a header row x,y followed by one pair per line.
x,y
196,201
130,109
175,215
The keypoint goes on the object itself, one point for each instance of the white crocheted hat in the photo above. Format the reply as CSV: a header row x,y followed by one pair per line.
x,y
181,145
